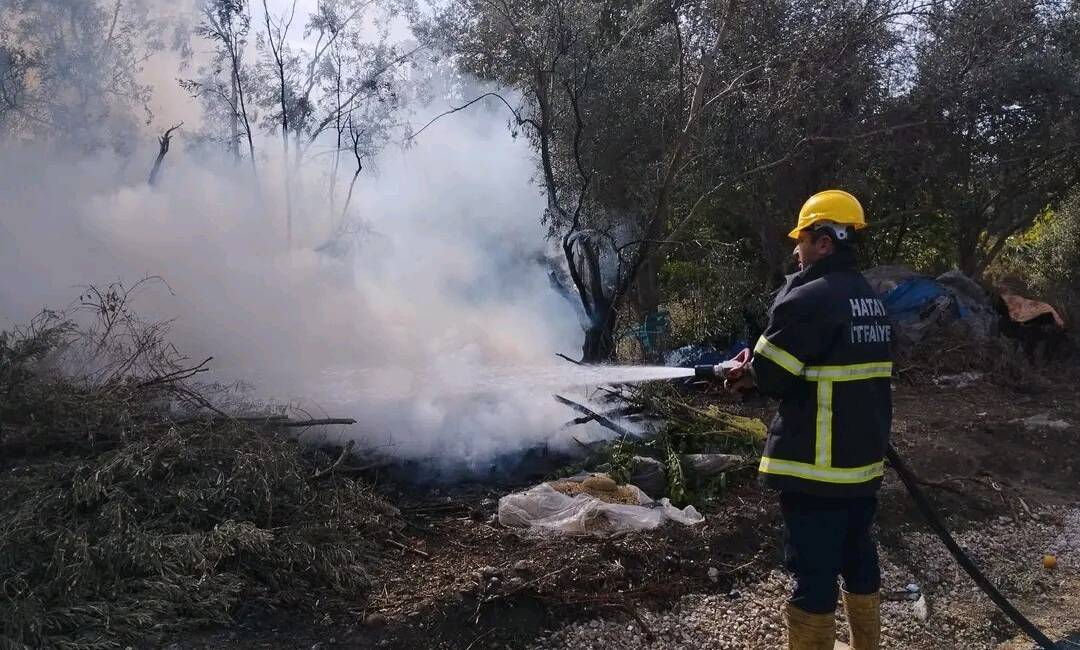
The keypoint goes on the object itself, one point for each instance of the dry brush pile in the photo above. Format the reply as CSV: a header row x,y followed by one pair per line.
x,y
126,514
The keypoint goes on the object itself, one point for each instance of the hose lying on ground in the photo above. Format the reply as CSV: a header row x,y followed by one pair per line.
x,y
935,524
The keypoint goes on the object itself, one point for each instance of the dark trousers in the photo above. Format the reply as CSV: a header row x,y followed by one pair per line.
x,y
825,538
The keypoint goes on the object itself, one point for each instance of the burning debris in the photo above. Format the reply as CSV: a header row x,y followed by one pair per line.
x,y
688,451
123,515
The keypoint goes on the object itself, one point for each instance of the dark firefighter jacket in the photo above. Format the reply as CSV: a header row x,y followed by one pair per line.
x,y
826,355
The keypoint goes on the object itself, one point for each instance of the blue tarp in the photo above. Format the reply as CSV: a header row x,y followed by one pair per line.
x,y
689,356
906,301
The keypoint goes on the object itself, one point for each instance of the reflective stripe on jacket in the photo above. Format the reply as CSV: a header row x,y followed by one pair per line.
x,y
826,355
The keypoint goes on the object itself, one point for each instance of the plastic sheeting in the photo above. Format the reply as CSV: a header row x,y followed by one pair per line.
x,y
544,508
920,306
908,299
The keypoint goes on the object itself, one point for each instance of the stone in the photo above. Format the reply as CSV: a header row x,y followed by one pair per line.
x,y
374,620
648,475
920,609
702,467
1043,421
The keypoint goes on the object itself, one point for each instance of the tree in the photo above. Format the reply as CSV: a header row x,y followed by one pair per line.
x,y
164,143
277,30
227,24
998,82
635,111
71,68
346,84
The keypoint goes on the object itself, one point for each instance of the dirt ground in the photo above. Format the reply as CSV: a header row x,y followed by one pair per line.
x,y
1009,490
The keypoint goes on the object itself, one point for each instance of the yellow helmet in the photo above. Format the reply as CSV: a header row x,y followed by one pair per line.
x,y
836,206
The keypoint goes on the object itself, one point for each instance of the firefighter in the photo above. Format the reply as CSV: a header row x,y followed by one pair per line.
x,y
826,356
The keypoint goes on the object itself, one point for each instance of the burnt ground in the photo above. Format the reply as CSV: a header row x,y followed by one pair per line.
x,y
455,579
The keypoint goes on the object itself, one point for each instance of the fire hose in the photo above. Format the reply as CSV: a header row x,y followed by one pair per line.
x,y
962,558
935,523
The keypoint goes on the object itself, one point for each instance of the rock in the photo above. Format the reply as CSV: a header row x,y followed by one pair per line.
x,y
1042,421
714,574
961,380
648,475
488,572
701,467
921,610
374,620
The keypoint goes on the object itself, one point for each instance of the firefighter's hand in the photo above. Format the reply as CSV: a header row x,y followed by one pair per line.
x,y
740,377
742,384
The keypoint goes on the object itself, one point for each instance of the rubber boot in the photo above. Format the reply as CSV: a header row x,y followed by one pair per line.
x,y
864,620
808,631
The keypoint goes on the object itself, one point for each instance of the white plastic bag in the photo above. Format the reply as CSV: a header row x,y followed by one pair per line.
x,y
545,508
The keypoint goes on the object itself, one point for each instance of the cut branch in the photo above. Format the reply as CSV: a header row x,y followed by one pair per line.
x,y
179,375
563,356
317,423
345,451
600,419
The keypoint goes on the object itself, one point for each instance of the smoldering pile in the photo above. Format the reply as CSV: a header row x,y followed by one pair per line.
x,y
124,513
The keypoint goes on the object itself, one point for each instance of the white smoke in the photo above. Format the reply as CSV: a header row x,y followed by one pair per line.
x,y
404,330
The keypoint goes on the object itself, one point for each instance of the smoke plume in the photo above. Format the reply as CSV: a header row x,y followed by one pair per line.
x,y
425,324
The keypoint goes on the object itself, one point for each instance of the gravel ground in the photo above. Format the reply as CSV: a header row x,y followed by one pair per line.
x,y
953,613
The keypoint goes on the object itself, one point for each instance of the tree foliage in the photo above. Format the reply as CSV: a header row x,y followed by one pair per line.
x,y
71,69
657,121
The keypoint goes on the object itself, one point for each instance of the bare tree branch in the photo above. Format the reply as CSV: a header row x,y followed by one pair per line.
x,y
455,109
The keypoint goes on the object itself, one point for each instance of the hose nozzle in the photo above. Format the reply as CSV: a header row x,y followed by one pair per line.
x,y
708,371
719,372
